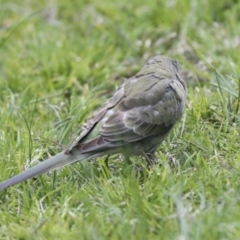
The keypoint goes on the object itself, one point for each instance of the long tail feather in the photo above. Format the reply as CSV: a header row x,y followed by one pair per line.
x,y
52,163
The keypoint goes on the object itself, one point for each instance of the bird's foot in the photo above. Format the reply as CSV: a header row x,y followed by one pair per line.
x,y
173,162
151,159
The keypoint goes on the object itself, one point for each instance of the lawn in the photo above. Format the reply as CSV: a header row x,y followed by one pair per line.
x,y
60,61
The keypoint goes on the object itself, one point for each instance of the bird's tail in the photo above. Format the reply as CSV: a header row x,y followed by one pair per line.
x,y
52,163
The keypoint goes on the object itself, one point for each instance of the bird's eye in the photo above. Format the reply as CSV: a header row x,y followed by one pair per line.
x,y
175,64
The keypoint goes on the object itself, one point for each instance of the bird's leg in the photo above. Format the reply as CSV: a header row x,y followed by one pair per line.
x,y
106,161
127,159
151,159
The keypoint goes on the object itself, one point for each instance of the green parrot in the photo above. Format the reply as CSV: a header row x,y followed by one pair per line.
x,y
134,121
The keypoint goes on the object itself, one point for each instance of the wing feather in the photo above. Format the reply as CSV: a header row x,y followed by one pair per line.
x,y
144,107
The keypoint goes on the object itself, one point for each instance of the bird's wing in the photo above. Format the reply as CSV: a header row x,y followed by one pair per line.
x,y
150,110
88,132
146,113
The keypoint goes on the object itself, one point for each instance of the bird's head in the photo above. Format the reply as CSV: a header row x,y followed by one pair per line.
x,y
164,62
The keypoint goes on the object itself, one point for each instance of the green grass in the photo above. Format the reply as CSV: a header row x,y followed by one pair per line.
x,y
60,61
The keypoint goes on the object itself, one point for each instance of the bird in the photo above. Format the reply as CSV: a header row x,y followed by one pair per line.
x,y
135,121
